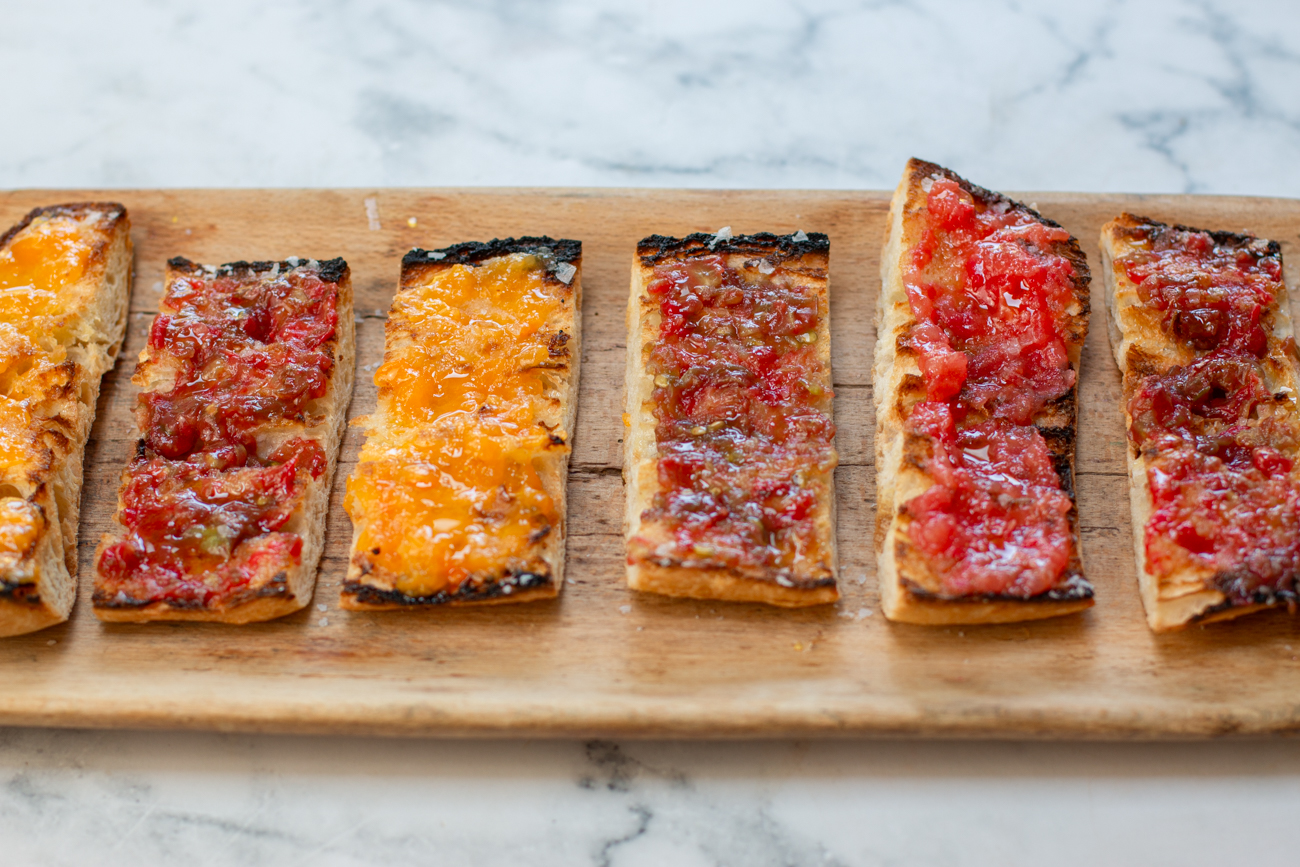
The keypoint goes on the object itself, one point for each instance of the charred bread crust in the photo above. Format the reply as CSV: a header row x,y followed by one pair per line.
x,y
368,587
908,584
38,586
513,587
328,270
275,592
805,256
474,252
1186,597
783,248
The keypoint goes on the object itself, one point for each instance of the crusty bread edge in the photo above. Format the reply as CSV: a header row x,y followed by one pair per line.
x,y
640,474
355,596
296,590
898,478
55,553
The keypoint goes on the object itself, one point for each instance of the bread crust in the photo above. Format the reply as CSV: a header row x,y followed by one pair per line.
x,y
38,588
909,587
270,594
808,259
1184,597
370,587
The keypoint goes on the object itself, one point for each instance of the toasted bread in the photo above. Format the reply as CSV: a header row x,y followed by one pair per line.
x,y
65,277
476,410
1193,592
768,266
912,588
265,571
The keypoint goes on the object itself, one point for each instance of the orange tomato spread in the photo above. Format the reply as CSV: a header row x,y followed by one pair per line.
x,y
447,496
42,266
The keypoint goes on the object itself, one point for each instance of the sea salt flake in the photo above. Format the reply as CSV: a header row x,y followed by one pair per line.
x,y
625,609
799,236
324,621
564,272
434,254
320,608
722,234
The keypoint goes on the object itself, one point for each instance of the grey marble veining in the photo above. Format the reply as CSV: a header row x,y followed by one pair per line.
x,y
1146,95
73,798
1160,95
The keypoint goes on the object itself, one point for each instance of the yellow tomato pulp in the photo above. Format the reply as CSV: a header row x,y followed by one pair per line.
x,y
450,488
36,267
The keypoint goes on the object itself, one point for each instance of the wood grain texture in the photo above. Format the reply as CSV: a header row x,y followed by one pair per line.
x,y
603,660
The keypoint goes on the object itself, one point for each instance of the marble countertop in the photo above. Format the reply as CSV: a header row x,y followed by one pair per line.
x,y
1157,96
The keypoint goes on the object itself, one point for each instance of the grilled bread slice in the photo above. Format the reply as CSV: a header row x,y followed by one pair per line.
x,y
1250,408
245,381
65,277
729,454
916,585
459,495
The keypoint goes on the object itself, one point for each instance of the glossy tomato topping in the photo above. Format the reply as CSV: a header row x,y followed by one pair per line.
x,y
203,507
741,405
247,353
992,300
1218,406
196,534
995,521
1241,520
1214,295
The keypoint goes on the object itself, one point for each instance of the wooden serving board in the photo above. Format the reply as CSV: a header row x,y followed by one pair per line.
x,y
602,660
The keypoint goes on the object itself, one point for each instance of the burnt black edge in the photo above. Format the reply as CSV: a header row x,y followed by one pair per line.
x,y
1270,596
72,209
655,248
1073,589
473,252
467,592
1223,238
17,591
328,270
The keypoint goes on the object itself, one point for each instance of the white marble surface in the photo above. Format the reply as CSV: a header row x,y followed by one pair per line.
x,y
1200,96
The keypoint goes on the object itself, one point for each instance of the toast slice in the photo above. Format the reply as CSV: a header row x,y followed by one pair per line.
x,y
983,315
729,454
65,278
245,384
459,495
1201,328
